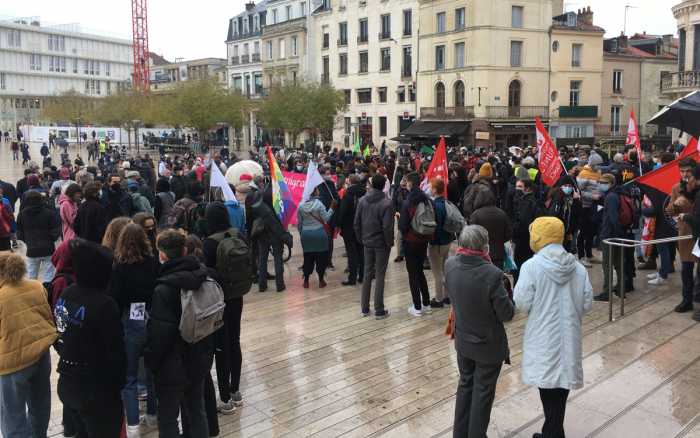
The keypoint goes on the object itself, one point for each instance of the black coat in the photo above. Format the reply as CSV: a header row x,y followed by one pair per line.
x,y
9,191
38,226
348,206
91,221
134,283
91,345
498,225
175,363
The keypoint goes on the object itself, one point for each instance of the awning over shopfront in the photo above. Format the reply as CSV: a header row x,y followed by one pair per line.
x,y
421,129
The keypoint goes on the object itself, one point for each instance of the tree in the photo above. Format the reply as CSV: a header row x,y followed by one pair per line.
x,y
201,105
69,107
300,107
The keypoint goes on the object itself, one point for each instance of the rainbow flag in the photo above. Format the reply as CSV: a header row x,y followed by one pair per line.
x,y
281,196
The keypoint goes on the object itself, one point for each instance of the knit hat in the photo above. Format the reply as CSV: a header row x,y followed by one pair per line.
x,y
545,231
486,171
588,173
132,174
595,159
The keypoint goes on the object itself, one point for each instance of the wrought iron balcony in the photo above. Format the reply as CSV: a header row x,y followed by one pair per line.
x,y
578,112
517,112
245,59
235,60
680,82
447,113
255,57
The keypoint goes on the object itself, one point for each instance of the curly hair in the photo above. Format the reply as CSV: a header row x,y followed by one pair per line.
x,y
114,228
12,267
132,245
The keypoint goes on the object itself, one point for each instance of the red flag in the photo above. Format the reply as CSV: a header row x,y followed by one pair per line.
x,y
550,164
438,167
633,136
690,148
664,178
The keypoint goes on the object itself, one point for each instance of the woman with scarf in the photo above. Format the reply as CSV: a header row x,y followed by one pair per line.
x,y
480,305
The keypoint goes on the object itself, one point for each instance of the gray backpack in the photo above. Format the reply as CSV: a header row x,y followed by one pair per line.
x,y
423,222
454,221
202,311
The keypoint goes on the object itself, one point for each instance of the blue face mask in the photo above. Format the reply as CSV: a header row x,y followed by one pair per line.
x,y
603,188
567,190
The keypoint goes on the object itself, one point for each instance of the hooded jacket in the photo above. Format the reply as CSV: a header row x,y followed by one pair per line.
x,y
68,210
498,225
555,292
91,221
374,220
477,195
311,213
175,363
39,227
134,283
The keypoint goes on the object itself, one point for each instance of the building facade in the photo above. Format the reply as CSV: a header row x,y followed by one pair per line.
x,y
166,76
686,77
367,50
41,61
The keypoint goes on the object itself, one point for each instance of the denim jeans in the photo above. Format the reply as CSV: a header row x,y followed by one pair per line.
x,y
34,266
25,401
665,256
135,342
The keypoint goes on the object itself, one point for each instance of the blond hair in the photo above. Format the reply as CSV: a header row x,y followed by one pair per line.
x,y
113,231
12,267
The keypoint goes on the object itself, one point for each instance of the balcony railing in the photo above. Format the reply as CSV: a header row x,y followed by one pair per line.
x,y
447,113
680,82
235,60
601,130
362,39
384,36
245,59
342,42
406,72
517,112
578,112
256,57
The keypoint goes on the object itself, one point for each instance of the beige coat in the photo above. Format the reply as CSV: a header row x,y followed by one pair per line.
x,y
677,205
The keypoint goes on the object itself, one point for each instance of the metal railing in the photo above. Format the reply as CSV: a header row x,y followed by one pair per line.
x,y
680,81
626,244
516,112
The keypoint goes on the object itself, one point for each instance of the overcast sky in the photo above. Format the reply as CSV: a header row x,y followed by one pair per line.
x,y
196,29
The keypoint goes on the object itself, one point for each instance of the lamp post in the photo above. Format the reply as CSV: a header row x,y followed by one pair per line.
x,y
136,135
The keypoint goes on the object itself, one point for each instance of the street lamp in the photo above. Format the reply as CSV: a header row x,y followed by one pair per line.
x,y
136,134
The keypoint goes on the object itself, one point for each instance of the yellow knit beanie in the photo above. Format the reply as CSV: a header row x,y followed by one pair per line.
x,y
546,230
485,170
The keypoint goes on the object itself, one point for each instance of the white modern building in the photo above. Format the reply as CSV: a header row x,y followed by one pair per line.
x,y
40,61
244,66
368,49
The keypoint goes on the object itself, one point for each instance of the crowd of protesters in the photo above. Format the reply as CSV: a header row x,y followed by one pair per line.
x,y
117,240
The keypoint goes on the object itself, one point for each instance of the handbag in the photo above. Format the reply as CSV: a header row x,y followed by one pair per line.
x,y
327,228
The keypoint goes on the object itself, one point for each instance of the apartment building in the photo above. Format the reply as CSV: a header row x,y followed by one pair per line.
x,y
368,50
166,76
38,61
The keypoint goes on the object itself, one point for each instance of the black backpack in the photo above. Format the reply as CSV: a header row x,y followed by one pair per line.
x,y
233,264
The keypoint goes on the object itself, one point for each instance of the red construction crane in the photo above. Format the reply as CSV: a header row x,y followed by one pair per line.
x,y
139,24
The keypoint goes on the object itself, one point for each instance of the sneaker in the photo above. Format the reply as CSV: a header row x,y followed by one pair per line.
x,y
446,301
427,309
381,315
602,297
586,263
365,314
237,398
226,408
133,431
435,304
149,420
652,276
415,312
658,281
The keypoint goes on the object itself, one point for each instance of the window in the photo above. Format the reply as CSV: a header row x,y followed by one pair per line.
x,y
407,22
440,22
51,58
289,12
411,94
348,96
326,40
364,32
516,51
326,5
364,95
238,84
258,82
516,19
514,99
386,27
440,95
617,81
326,70
343,34
347,124
401,94
86,64
407,66
295,46
108,88
97,68
574,93
342,64
459,94
576,50
75,66
439,57
282,49
615,112
14,38
57,43
35,62
302,9
97,87
382,126
381,91
256,50
274,16
385,56
269,50
108,69
459,19
459,55
3,81
364,62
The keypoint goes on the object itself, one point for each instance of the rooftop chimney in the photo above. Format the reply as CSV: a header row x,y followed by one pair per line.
x,y
585,16
249,6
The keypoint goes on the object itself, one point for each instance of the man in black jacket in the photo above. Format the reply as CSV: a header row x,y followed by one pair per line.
x,y
353,247
115,199
327,193
525,211
92,366
179,368
38,226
